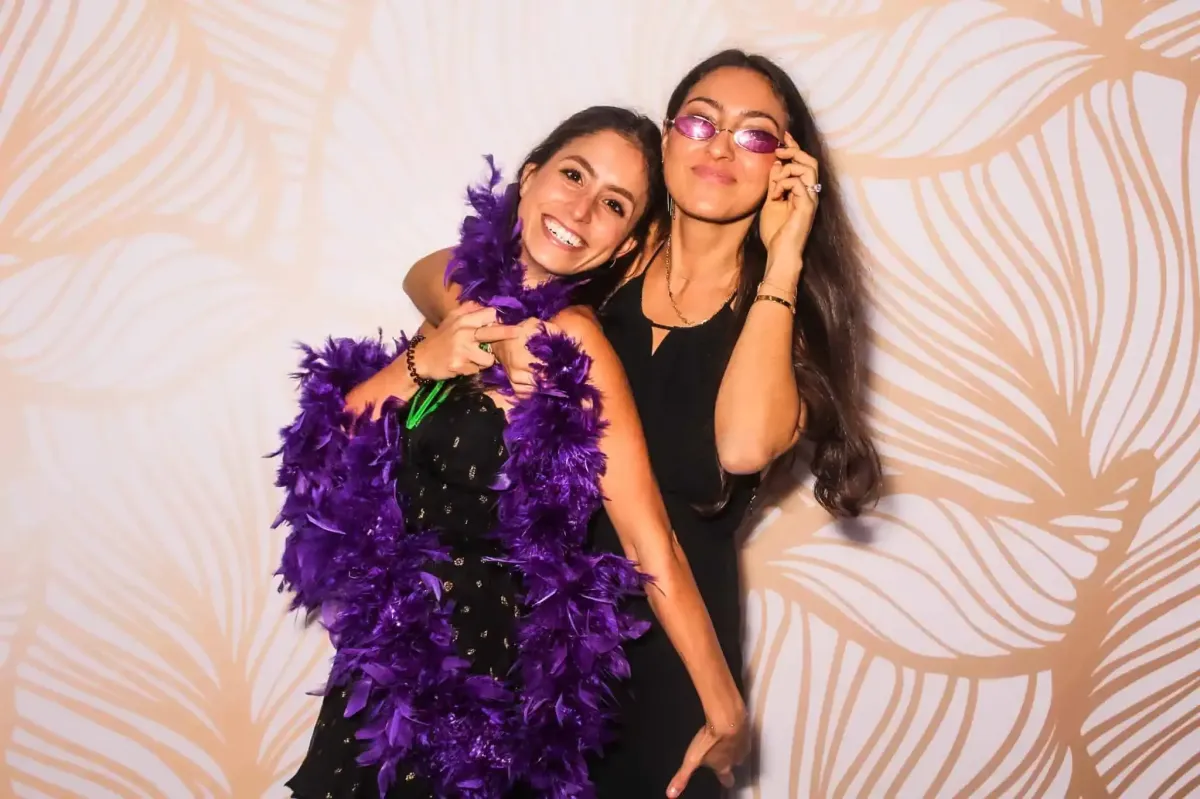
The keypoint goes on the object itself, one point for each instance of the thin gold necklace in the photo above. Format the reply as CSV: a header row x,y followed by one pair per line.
x,y
675,305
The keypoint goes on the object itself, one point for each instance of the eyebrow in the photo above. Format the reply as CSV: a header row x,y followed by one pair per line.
x,y
587,167
744,115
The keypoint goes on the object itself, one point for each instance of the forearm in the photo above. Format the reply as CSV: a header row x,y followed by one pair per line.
x,y
394,380
758,406
676,601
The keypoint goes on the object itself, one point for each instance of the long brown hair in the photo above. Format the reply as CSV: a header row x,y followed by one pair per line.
x,y
831,330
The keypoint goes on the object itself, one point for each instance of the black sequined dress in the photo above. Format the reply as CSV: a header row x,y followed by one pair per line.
x,y
451,458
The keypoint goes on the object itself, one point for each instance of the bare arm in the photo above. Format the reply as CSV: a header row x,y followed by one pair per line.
x,y
448,351
425,284
636,509
759,413
392,380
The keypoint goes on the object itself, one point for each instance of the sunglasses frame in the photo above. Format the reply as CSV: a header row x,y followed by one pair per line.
x,y
717,130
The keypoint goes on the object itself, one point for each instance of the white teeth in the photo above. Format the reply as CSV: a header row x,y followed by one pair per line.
x,y
562,234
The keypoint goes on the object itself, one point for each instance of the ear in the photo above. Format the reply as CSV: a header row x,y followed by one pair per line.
x,y
626,247
527,172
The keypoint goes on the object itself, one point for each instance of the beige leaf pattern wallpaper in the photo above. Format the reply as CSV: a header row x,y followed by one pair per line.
x,y
188,187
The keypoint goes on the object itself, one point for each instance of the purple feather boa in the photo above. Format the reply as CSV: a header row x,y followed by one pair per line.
x,y
350,555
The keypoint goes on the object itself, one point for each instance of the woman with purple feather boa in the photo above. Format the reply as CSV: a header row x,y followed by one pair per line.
x,y
742,331
438,520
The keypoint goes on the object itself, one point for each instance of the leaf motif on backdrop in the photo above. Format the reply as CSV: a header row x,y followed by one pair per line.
x,y
1170,30
1039,410
189,184
103,128
927,80
852,723
125,317
273,61
904,86
164,663
1135,687
22,583
147,155
946,597
411,122
1052,340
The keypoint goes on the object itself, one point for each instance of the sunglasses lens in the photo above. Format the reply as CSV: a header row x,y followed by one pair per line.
x,y
695,127
757,141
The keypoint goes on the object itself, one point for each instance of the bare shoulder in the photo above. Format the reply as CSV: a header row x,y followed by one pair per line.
x,y
582,325
438,259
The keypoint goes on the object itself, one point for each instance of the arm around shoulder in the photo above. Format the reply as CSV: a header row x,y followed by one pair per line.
x,y
426,285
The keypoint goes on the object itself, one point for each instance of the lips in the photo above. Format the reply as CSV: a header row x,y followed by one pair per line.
x,y
561,235
713,174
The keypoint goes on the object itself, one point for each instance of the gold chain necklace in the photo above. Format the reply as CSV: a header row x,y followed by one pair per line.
x,y
675,305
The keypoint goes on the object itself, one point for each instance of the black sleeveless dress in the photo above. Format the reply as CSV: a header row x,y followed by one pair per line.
x,y
675,389
451,458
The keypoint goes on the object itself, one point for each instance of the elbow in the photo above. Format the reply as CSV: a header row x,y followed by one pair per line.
x,y
749,449
744,457
747,445
409,284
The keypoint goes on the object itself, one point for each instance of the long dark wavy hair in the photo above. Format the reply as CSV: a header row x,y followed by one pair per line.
x,y
831,330
640,131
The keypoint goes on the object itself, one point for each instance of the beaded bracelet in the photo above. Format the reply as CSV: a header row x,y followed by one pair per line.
x,y
409,360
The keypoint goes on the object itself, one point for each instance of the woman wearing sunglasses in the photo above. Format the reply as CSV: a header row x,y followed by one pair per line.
x,y
742,329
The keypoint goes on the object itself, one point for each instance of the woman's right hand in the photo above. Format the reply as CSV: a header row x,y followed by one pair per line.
x,y
721,751
453,348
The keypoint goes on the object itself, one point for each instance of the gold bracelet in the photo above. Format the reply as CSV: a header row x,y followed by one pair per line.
x,y
783,292
780,300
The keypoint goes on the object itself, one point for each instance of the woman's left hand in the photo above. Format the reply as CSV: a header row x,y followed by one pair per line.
x,y
515,358
792,195
720,752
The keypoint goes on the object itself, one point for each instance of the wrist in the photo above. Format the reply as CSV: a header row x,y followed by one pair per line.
x,y
395,381
783,270
728,714
415,368
730,722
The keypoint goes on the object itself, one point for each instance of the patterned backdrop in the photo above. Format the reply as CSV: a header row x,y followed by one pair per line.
x,y
187,187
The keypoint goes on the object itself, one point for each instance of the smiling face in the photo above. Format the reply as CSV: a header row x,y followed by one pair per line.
x,y
717,179
578,209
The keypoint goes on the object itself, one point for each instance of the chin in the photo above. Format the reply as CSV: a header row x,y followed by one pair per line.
x,y
718,213
715,205
553,259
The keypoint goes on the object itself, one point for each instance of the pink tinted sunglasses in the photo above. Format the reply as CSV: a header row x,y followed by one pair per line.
x,y
700,129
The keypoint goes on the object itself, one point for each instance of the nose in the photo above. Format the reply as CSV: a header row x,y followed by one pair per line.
x,y
581,208
721,145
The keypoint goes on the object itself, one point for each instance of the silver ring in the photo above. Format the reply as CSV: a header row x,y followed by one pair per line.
x,y
815,188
